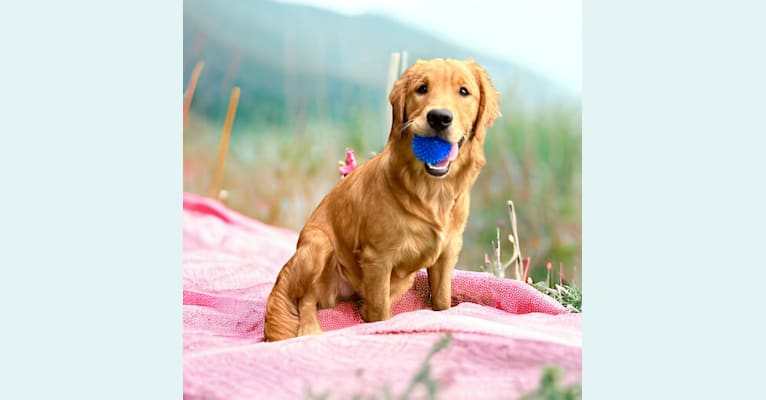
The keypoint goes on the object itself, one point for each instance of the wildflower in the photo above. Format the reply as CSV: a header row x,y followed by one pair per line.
x,y
349,165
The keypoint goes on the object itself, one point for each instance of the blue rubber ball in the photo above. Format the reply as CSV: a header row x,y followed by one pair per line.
x,y
431,150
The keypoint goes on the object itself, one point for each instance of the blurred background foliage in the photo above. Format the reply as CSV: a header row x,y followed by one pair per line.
x,y
313,83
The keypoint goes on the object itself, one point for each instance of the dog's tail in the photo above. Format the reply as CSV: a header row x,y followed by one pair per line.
x,y
282,318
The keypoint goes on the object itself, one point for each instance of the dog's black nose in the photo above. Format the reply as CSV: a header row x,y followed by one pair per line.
x,y
439,119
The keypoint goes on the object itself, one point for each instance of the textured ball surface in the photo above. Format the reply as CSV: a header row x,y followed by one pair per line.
x,y
430,150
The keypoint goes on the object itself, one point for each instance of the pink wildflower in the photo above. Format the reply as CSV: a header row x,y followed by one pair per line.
x,y
350,164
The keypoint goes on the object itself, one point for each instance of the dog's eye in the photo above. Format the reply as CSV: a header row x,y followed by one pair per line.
x,y
464,92
422,89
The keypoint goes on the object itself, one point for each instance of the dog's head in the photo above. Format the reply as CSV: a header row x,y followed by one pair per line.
x,y
450,99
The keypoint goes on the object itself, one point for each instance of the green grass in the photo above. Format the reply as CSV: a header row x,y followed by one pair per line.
x,y
534,159
569,296
551,387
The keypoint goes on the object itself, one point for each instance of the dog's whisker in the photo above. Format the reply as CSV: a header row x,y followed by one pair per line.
x,y
406,125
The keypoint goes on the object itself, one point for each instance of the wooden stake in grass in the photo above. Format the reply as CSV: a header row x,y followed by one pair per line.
x,y
190,90
403,62
394,67
215,189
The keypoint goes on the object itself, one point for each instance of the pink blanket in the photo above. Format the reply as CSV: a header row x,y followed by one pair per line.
x,y
503,331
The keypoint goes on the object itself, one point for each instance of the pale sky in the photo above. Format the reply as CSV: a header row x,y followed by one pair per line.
x,y
543,35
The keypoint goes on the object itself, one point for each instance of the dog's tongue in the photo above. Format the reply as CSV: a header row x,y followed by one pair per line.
x,y
451,156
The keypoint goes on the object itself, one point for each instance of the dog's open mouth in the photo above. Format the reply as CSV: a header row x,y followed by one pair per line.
x,y
441,168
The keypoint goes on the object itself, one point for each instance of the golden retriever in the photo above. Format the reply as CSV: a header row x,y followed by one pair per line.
x,y
394,214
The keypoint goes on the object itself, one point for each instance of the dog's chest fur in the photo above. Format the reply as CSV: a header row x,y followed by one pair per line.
x,y
418,243
419,246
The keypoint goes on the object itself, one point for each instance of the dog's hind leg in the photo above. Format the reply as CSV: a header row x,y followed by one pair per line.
x,y
292,305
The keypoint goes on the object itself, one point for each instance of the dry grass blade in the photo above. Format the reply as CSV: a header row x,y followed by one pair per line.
x,y
215,188
517,257
189,94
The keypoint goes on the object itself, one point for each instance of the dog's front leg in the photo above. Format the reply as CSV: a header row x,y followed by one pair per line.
x,y
440,276
376,290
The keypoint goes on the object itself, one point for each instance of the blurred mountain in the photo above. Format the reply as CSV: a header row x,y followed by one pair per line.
x,y
295,61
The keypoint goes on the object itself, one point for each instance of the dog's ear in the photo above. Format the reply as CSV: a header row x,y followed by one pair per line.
x,y
398,99
489,108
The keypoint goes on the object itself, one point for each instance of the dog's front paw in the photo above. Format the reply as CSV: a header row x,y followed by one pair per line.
x,y
442,303
309,330
372,314
363,311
